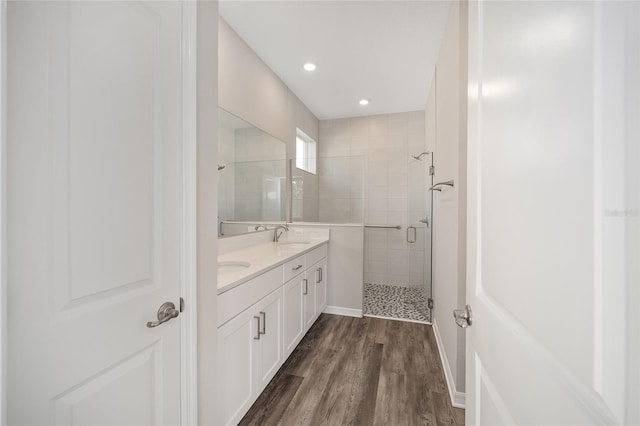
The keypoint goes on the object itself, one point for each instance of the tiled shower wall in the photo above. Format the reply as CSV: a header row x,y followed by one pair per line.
x,y
253,182
227,176
261,171
393,191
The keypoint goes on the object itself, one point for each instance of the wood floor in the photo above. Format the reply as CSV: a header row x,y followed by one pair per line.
x,y
359,371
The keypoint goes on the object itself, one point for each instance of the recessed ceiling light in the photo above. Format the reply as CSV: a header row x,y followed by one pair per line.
x,y
364,102
309,66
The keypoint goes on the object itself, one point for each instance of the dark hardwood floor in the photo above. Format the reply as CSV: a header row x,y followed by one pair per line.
x,y
359,371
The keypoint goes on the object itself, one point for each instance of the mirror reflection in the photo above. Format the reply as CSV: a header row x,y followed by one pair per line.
x,y
252,174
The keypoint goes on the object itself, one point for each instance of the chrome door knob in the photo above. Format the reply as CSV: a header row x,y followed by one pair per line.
x,y
166,312
463,316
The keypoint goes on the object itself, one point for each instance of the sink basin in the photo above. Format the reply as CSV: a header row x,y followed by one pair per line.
x,y
232,266
293,245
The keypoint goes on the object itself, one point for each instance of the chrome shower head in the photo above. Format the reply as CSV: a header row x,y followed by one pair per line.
x,y
419,157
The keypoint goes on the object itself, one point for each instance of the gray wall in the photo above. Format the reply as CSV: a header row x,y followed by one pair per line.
x,y
250,90
449,206
207,208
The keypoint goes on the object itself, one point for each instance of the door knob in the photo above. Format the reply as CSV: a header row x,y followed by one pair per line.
x,y
166,312
463,316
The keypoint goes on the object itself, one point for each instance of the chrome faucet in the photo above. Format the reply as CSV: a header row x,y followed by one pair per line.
x,y
277,236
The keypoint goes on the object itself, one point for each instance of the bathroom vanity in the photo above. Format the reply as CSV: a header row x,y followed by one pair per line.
x,y
269,295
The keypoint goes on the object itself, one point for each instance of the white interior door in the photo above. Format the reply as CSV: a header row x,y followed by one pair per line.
x,y
93,211
553,212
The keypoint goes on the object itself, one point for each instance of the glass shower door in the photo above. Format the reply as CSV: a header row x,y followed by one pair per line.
x,y
419,234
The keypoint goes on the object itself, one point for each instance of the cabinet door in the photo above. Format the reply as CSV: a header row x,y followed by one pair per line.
x,y
237,351
321,286
309,292
269,357
293,314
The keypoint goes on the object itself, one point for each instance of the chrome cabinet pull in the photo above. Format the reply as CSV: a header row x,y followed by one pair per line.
x,y
257,336
166,312
318,275
296,268
321,274
305,287
264,323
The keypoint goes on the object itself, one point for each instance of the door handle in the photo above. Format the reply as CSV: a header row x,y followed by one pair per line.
x,y
463,317
306,290
415,235
166,312
318,275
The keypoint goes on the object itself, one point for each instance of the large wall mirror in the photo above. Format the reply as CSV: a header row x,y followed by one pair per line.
x,y
252,175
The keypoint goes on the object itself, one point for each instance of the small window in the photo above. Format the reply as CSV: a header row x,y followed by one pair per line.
x,y
305,152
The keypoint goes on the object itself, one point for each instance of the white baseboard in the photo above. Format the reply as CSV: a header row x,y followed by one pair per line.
x,y
347,312
457,398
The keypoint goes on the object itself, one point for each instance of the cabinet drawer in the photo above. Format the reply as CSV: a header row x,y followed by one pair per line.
x,y
294,267
236,300
316,254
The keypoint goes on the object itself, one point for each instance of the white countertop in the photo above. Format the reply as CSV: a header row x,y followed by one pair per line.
x,y
265,256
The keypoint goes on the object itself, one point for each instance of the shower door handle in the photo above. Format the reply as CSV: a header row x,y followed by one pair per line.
x,y
411,240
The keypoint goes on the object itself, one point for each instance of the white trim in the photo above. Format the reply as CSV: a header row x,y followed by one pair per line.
x,y
457,398
398,319
188,243
347,312
3,192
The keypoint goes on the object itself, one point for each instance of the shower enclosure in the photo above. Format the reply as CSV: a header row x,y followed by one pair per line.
x,y
398,251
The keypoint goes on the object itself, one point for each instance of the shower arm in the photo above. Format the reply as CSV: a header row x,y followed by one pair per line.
x,y
419,157
434,187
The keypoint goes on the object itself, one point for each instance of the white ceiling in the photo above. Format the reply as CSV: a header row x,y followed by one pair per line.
x,y
384,51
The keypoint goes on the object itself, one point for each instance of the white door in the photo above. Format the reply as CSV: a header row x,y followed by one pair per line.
x,y
553,213
269,355
321,286
309,293
238,345
293,318
93,211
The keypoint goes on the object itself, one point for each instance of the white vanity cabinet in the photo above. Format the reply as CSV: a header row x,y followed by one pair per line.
x,y
293,313
321,285
309,301
269,356
250,347
261,321
305,297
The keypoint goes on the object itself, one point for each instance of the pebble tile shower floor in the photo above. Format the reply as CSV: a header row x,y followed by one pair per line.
x,y
390,301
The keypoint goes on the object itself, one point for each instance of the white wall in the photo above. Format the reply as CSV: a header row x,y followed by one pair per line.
x,y
247,86
250,90
449,263
345,272
207,208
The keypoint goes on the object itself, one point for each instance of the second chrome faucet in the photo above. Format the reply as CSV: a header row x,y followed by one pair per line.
x,y
277,236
